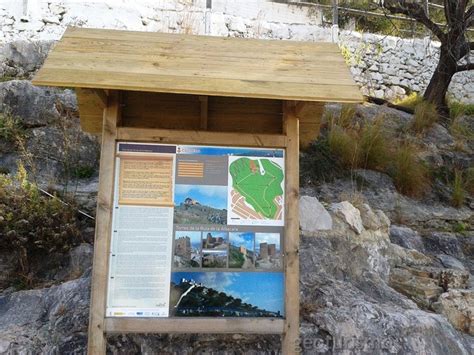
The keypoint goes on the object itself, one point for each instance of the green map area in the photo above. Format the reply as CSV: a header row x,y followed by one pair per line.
x,y
259,190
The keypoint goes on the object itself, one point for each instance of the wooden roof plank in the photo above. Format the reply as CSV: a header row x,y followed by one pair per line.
x,y
197,86
199,65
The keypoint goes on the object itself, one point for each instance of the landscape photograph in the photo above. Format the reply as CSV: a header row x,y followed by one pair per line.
x,y
242,250
214,240
187,249
227,294
214,258
200,204
267,247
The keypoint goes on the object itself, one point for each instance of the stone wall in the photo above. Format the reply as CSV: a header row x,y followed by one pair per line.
x,y
384,66
390,67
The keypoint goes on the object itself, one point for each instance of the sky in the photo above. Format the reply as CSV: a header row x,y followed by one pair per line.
x,y
270,238
194,236
245,239
261,289
209,195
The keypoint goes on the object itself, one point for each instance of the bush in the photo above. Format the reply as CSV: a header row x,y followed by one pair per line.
x,y
458,194
458,109
83,171
409,174
33,227
343,144
10,128
425,116
373,151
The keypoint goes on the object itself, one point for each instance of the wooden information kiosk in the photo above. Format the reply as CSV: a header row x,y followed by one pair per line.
x,y
199,175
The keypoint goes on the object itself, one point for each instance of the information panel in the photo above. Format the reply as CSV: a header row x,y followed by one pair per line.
x,y
197,231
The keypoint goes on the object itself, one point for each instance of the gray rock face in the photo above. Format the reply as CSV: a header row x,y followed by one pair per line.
x,y
313,215
52,136
35,106
21,58
340,307
446,243
406,237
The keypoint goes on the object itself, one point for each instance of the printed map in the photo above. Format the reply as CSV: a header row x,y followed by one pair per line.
x,y
256,189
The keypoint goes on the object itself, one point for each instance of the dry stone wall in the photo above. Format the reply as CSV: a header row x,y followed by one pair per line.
x,y
384,66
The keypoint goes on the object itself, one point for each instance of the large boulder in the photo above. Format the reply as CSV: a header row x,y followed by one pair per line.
x,y
313,215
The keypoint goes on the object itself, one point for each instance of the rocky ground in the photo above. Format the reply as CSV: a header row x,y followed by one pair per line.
x,y
380,272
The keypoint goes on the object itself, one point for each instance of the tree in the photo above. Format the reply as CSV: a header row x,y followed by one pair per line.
x,y
455,46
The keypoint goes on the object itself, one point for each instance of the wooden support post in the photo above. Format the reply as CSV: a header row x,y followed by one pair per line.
x,y
290,340
204,112
97,341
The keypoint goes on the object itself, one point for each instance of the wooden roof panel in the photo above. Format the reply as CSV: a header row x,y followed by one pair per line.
x,y
202,65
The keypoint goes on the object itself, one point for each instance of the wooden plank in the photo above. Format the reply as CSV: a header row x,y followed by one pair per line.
x,y
197,86
195,325
91,109
97,341
326,73
201,137
292,293
199,65
204,112
219,42
310,116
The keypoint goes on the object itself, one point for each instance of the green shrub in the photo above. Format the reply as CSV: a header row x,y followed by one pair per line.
x,y
10,128
458,109
409,174
460,227
33,227
83,171
425,116
459,193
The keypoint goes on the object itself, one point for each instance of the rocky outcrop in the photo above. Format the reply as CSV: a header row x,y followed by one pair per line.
x,y
458,307
348,304
50,142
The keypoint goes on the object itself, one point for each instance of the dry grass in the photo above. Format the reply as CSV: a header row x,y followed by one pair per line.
x,y
425,117
343,144
410,176
374,150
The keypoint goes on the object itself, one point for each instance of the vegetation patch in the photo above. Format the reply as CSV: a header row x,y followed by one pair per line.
x,y
410,176
425,117
34,228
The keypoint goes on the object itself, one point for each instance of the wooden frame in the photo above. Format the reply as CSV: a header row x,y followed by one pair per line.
x,y
112,132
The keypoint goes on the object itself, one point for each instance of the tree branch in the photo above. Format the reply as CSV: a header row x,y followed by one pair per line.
x,y
464,67
415,11
469,17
